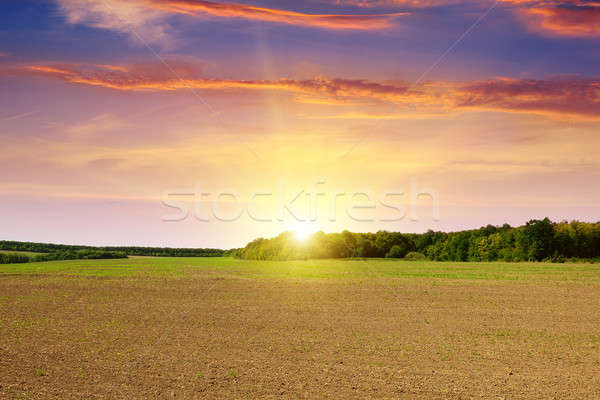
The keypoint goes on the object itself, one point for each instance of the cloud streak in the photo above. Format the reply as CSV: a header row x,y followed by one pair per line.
x,y
156,77
570,18
576,97
574,19
17,116
148,18
235,10
559,97
397,3
130,17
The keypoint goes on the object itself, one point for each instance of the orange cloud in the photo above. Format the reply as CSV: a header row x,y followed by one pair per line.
x,y
235,10
48,70
576,20
148,19
400,3
566,97
156,77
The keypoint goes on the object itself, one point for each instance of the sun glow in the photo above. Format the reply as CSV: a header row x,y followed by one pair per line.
x,y
302,232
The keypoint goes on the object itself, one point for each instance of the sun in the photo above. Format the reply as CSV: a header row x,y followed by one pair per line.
x,y
302,232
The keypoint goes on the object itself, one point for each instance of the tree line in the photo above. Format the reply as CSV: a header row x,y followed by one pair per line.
x,y
127,250
13,258
537,240
85,254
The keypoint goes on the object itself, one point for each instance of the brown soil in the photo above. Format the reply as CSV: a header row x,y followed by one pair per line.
x,y
232,338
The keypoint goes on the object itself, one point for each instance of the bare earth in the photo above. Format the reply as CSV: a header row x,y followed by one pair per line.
x,y
229,336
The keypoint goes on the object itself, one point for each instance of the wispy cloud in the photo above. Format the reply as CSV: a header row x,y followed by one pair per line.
x,y
131,17
567,97
148,77
397,3
17,116
572,18
147,19
577,97
575,19
235,10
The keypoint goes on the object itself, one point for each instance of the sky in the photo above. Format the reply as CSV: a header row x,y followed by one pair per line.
x,y
189,123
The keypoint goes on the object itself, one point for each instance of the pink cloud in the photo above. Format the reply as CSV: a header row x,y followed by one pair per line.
x,y
572,97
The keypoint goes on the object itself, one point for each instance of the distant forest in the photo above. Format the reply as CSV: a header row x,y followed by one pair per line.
x,y
70,252
537,240
18,258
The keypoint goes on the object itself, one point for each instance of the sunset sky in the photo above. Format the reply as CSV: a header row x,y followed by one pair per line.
x,y
108,104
